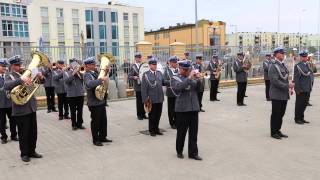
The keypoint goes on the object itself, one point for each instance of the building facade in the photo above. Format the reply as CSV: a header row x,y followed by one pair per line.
x,y
14,29
210,33
267,39
66,28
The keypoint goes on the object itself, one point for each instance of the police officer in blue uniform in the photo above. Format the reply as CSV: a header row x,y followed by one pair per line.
x,y
279,92
5,107
266,65
25,115
151,88
60,89
170,71
134,76
187,109
75,93
96,106
303,85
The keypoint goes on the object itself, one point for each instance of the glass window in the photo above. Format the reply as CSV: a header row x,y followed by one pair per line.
x,y
125,16
102,31
45,30
60,29
62,50
102,16
59,12
89,16
24,11
103,47
75,13
76,30
89,28
44,12
5,9
114,17
135,34
115,48
135,19
114,32
7,28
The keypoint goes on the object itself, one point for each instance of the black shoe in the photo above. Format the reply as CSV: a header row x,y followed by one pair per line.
x,y
81,127
245,96
98,143
180,156
153,134
173,127
276,136
242,104
304,121
74,128
107,105
66,117
201,110
106,140
49,111
4,141
216,100
140,118
25,158
299,122
159,133
14,139
36,155
218,92
196,157
268,99
282,135
309,104
145,117
54,110
60,118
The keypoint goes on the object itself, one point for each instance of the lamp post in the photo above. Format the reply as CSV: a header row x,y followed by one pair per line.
x,y
278,27
196,22
318,32
235,33
300,16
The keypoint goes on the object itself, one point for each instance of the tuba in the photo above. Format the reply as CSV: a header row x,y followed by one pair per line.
x,y
21,94
105,61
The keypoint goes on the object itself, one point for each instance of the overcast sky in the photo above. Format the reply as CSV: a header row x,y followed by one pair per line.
x,y
248,15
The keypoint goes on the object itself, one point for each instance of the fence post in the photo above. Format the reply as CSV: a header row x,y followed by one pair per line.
x,y
145,48
177,49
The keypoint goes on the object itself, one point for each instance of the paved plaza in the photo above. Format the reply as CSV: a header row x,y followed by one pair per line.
x,y
234,142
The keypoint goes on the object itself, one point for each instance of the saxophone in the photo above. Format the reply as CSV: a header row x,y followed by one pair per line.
x,y
105,61
21,94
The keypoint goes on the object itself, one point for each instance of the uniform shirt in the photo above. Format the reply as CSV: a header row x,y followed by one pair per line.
x,y
58,82
302,78
73,84
134,71
151,86
266,65
91,82
12,80
241,74
168,75
212,67
5,102
279,81
187,99
47,73
201,82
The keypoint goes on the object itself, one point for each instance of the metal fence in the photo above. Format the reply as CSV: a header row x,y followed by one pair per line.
x,y
125,56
